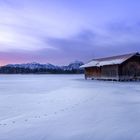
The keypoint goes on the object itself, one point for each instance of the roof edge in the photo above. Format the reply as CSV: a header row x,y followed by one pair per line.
x,y
113,57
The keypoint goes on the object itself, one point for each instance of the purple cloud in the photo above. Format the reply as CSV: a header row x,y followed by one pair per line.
x,y
63,31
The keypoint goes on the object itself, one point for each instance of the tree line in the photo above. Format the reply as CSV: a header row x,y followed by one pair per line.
x,y
18,70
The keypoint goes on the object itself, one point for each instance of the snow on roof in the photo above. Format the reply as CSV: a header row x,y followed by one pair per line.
x,y
90,64
114,60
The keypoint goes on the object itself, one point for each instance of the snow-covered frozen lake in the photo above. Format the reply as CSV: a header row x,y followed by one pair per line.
x,y
67,107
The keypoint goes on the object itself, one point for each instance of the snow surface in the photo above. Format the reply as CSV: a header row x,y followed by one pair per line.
x,y
67,107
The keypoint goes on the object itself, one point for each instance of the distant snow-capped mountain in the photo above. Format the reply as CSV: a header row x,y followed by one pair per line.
x,y
33,65
72,66
37,68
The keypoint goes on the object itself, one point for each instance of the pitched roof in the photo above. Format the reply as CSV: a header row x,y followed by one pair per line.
x,y
114,60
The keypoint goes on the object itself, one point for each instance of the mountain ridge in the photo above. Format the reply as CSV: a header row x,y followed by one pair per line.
x,y
34,67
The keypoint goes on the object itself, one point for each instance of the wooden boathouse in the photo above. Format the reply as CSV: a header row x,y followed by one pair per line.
x,y
120,68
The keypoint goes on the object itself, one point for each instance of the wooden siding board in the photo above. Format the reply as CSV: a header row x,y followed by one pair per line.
x,y
131,67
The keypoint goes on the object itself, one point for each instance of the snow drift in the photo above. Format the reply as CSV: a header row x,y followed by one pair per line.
x,y
66,107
